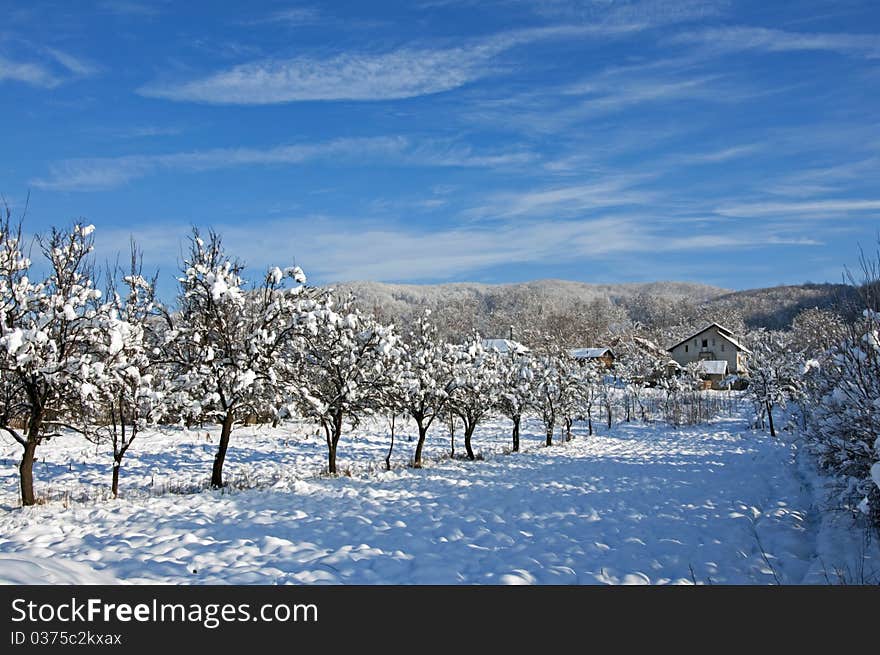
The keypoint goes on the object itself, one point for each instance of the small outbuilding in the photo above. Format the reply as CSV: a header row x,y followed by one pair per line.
x,y
605,356
505,346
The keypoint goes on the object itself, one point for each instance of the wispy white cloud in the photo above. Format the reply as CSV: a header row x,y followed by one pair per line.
x,y
28,72
722,155
645,13
93,174
608,97
338,250
403,73
291,16
99,173
561,201
618,88
49,68
734,39
144,131
641,14
810,208
76,65
130,8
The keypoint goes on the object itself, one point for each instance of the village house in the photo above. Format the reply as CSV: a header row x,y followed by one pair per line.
x,y
714,343
603,355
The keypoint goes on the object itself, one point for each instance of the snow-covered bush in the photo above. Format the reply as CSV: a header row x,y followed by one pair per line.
x,y
844,424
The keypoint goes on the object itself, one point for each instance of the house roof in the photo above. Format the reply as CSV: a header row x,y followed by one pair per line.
x,y
590,353
723,331
713,367
504,346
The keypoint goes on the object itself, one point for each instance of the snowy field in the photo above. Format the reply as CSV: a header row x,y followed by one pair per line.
x,y
715,504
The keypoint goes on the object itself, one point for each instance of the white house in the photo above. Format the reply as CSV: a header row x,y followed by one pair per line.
x,y
712,343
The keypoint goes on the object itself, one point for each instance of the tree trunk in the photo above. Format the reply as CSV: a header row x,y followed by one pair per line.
x,y
114,487
391,447
568,423
590,421
770,419
549,434
220,457
331,457
608,407
516,420
468,432
26,473
423,433
334,442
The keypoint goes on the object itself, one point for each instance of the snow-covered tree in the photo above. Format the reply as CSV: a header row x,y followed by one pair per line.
x,y
128,387
47,338
587,378
476,382
515,388
681,395
844,424
774,370
388,400
551,390
223,342
426,380
843,384
343,359
814,331
640,362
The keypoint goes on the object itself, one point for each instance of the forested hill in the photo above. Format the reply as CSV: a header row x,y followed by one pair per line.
x,y
776,307
491,308
552,293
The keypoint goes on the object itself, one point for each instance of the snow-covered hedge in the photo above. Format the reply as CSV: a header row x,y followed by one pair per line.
x,y
844,421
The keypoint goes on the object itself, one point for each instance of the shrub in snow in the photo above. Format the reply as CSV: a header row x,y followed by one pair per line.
x,y
844,424
841,388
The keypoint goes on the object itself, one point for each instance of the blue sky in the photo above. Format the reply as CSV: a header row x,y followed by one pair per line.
x,y
735,143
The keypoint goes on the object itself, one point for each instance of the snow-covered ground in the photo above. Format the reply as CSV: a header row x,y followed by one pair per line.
x,y
637,504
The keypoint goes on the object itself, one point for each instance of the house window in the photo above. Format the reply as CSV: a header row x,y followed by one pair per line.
x,y
713,341
685,348
705,343
722,347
